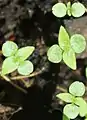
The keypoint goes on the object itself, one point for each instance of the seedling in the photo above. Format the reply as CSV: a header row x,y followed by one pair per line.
x,y
67,48
76,104
16,59
76,9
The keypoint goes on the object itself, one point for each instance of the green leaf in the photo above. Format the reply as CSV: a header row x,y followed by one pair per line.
x,y
23,53
78,43
59,10
69,8
9,48
65,97
64,41
77,88
71,111
78,9
54,54
70,59
25,68
82,106
9,65
65,117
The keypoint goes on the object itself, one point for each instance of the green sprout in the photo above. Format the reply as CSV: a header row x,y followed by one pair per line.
x,y
67,48
76,104
76,9
16,59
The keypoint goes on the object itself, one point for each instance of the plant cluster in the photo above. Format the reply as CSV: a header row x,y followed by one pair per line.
x,y
16,59
67,48
76,104
76,9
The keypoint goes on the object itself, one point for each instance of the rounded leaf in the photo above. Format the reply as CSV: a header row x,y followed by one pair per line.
x,y
54,54
63,39
65,97
78,43
9,48
9,65
24,52
77,88
56,10
82,106
70,59
77,9
71,111
25,68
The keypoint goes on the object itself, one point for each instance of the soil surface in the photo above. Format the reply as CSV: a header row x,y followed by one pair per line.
x,y
31,22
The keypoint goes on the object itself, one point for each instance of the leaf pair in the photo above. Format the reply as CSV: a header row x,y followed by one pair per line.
x,y
77,104
76,9
16,58
79,107
67,48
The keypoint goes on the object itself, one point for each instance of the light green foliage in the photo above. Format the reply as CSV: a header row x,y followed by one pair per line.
x,y
78,43
64,41
71,110
78,105
9,65
76,9
64,117
16,58
69,59
66,51
9,48
24,53
69,8
56,10
25,68
77,88
65,97
82,105
54,54
85,117
67,48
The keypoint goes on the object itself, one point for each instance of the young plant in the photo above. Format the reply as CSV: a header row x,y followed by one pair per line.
x,y
76,9
16,59
67,48
76,105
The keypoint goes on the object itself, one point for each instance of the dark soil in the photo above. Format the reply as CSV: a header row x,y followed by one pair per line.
x,y
31,22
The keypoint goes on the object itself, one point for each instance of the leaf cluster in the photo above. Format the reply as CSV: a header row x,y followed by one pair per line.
x,y
67,48
76,104
76,9
16,58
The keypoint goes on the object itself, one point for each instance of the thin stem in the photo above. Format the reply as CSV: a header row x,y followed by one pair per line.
x,y
21,78
1,52
27,84
16,86
61,88
28,76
